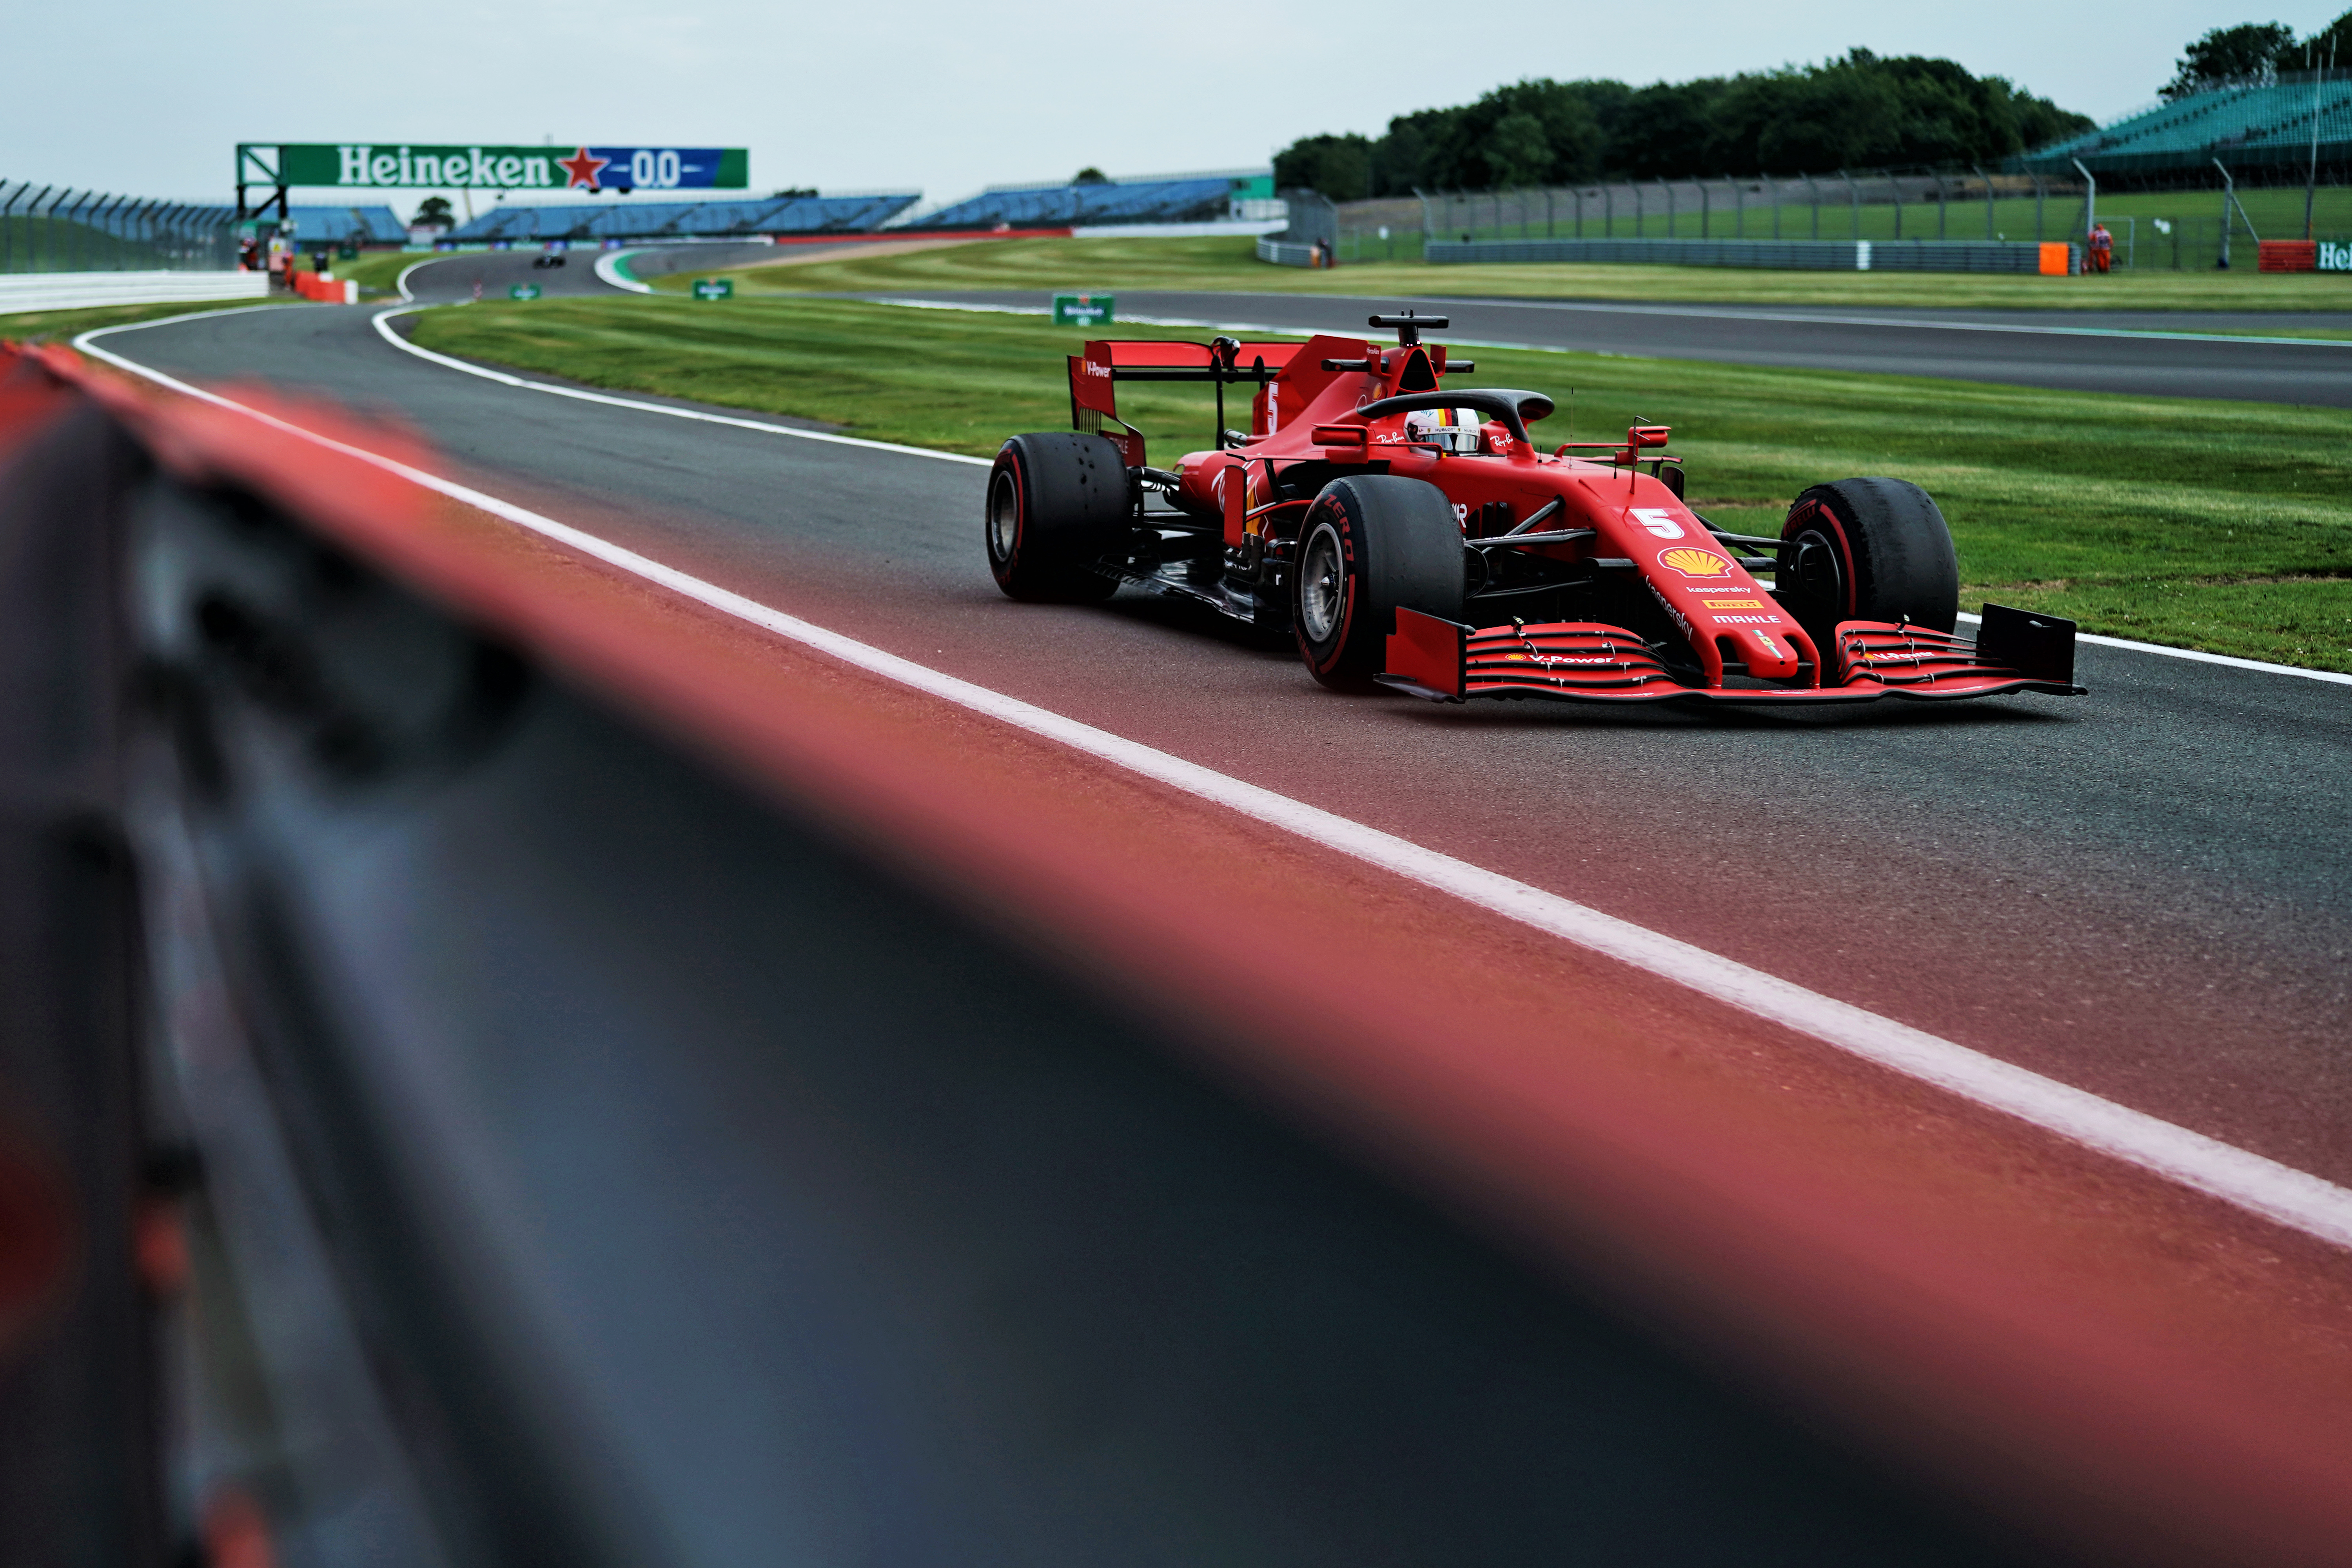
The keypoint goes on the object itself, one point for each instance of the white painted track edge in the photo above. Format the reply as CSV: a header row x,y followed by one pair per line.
x,y
2198,655
608,268
2252,1181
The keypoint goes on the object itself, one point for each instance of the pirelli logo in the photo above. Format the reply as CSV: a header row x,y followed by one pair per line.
x,y
1733,603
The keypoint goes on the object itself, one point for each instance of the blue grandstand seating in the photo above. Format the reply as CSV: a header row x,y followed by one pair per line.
x,y
1066,206
2255,124
367,226
656,220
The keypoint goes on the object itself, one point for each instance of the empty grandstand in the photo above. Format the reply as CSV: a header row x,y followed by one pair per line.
x,y
2261,131
685,220
346,225
1166,198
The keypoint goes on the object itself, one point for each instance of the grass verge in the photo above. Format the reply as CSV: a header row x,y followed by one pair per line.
x,y
42,326
1107,266
377,272
2215,525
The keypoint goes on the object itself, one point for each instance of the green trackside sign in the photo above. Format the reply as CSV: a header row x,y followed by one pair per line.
x,y
714,288
522,290
1083,309
380,165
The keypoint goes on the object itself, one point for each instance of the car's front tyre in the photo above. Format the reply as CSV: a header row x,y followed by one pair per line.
x,y
1866,549
1370,545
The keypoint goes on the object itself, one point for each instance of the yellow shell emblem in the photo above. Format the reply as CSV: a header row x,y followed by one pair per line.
x,y
1696,562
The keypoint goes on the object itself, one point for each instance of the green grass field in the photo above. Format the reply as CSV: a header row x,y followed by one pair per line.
x,y
2214,525
1107,266
42,326
377,272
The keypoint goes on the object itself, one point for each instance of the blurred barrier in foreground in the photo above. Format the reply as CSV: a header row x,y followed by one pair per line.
x,y
87,291
650,1109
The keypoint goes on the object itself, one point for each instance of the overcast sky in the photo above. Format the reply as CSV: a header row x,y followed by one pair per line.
x,y
149,96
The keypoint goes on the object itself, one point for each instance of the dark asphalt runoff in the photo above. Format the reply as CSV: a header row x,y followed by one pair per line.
x,y
2140,353
454,277
2146,892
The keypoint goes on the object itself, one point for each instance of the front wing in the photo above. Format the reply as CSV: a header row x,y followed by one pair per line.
x,y
1585,661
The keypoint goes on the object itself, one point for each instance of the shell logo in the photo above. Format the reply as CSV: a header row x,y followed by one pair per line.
x,y
1705,565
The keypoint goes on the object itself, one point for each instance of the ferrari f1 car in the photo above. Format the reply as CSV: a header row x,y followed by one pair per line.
x,y
1409,533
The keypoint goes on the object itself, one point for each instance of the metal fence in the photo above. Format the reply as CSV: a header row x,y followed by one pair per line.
x,y
51,228
1844,206
1877,206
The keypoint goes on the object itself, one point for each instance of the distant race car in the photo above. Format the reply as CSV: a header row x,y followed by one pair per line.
x,y
1412,535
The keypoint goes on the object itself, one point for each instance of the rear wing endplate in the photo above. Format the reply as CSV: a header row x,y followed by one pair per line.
x,y
1095,374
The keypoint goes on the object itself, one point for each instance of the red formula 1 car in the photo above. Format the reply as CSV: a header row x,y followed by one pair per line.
x,y
1410,533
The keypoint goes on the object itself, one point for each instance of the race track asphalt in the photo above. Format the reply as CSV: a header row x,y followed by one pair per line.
x,y
455,277
2081,351
2146,892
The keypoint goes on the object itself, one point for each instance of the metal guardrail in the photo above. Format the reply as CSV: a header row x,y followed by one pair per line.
x,y
52,229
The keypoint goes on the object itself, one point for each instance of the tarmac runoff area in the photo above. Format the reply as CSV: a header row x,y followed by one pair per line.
x,y
2144,354
2145,895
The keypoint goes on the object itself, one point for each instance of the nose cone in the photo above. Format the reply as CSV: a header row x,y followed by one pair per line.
x,y
1771,658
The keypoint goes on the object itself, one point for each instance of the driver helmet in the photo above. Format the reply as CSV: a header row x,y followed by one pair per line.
x,y
1449,429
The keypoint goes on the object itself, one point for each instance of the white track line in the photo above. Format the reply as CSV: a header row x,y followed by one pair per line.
x,y
1698,313
2261,1187
1702,313
608,268
2198,657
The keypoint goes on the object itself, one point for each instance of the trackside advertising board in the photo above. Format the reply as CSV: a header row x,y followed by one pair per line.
x,y
369,165
1083,309
2334,256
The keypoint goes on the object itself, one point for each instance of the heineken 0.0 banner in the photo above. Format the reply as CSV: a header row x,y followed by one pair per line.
x,y
350,165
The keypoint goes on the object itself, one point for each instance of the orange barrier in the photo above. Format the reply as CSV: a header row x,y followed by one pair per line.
x,y
2289,255
2057,258
326,291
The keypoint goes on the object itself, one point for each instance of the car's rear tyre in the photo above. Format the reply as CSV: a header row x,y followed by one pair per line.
x,y
1866,549
1371,544
1057,504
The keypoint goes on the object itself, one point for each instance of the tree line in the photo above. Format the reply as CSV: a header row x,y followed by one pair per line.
x,y
2256,52
1859,111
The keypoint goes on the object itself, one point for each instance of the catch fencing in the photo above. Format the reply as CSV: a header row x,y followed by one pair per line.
x,y
52,229
2178,231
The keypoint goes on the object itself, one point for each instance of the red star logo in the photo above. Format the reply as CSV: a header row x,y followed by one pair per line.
x,y
583,168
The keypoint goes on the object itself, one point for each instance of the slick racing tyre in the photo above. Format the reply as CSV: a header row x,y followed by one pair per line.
x,y
1056,503
1371,544
1866,549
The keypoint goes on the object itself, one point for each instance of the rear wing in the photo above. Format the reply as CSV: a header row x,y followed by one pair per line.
x,y
1094,375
